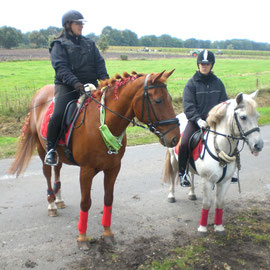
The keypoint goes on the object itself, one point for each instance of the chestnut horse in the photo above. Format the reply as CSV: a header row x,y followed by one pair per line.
x,y
138,95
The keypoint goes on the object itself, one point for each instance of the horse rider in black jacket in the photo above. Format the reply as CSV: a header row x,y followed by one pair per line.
x,y
201,93
76,61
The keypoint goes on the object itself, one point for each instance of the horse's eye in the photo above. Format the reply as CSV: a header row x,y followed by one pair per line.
x,y
243,117
158,101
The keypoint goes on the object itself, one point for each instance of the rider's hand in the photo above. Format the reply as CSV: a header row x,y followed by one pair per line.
x,y
79,87
201,123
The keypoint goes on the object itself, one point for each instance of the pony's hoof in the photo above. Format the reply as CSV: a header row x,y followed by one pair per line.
x,y
60,205
202,231
219,229
109,240
192,197
203,234
83,245
171,200
52,213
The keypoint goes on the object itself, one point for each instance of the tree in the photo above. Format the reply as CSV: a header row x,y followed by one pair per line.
x,y
10,37
38,40
103,43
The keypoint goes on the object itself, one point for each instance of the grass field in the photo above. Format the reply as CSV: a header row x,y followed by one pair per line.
x,y
19,80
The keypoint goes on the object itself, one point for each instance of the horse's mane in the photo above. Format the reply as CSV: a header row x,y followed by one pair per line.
x,y
120,80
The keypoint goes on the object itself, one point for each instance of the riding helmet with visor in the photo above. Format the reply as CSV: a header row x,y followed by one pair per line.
x,y
72,16
206,57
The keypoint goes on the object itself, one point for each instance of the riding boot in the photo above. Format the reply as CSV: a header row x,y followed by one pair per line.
x,y
51,156
184,182
52,135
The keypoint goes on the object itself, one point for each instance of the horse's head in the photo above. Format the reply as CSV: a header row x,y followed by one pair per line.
x,y
245,122
153,106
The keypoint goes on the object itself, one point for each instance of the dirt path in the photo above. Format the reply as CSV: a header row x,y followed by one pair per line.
x,y
146,226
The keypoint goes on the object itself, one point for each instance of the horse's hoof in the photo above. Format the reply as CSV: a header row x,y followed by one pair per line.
x,y
83,245
52,213
219,229
60,205
192,197
171,200
109,240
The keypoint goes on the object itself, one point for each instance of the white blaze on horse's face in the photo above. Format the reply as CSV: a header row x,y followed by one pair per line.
x,y
247,116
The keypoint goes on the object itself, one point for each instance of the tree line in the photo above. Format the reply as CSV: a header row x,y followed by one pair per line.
x,y
13,38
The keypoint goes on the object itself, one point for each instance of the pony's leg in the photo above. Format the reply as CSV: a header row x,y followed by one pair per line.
x,y
173,177
57,187
86,178
47,171
221,191
206,206
191,194
109,180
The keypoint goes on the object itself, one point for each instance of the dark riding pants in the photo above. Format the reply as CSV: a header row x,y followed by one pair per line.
x,y
183,152
63,95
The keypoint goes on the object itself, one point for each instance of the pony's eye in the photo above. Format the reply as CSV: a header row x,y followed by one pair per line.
x,y
243,117
158,101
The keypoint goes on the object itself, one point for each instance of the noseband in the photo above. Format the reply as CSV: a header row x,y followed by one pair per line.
x,y
146,100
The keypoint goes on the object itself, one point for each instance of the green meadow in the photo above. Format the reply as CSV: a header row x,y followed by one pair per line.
x,y
19,80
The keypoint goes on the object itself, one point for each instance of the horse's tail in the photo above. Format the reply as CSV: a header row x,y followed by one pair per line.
x,y
167,174
25,150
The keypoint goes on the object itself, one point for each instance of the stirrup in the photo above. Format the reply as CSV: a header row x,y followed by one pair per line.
x,y
184,181
52,151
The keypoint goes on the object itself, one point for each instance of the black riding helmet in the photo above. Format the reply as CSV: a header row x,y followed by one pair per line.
x,y
206,57
72,16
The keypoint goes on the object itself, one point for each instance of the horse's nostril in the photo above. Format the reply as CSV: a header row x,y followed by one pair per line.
x,y
174,141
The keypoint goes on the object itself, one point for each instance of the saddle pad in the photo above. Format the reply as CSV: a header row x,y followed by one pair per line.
x,y
44,125
195,152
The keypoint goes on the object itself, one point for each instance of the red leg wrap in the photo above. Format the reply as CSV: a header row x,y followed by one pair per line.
x,y
107,215
218,216
204,217
82,225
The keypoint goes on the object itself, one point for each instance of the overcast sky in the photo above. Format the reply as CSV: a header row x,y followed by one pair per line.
x,y
184,19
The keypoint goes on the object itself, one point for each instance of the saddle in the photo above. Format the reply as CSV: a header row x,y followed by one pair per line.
x,y
195,147
71,114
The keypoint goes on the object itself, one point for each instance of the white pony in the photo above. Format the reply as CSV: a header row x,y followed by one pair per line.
x,y
230,122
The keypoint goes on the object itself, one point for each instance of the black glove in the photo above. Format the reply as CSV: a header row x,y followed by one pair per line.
x,y
79,87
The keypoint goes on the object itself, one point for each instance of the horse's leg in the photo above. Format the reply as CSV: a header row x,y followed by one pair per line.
x,y
191,194
57,187
86,178
47,171
109,180
221,191
206,206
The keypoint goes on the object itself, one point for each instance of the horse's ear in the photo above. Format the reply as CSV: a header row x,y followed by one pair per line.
x,y
254,94
169,73
157,76
239,98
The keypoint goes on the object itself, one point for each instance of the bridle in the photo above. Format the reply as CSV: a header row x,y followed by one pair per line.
x,y
243,134
149,107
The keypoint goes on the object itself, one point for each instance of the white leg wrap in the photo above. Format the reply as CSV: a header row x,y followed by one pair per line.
x,y
202,229
219,228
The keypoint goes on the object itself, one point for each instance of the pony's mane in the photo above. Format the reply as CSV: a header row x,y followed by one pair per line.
x,y
217,113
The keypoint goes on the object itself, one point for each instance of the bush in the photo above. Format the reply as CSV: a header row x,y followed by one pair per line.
x,y
124,57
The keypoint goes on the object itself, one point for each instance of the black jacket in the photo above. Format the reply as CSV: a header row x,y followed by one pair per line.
x,y
201,94
76,59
